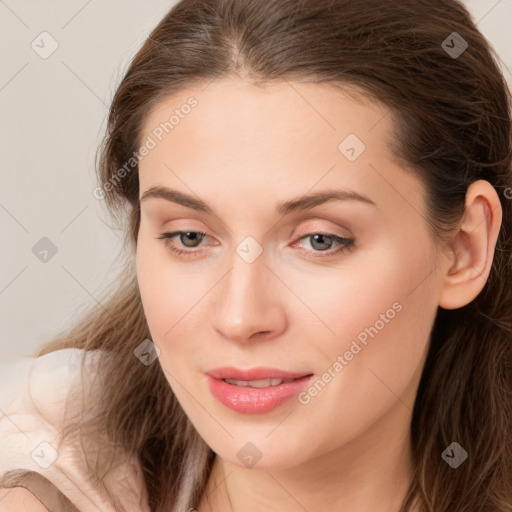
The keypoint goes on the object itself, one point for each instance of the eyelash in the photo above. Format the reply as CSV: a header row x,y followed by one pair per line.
x,y
346,244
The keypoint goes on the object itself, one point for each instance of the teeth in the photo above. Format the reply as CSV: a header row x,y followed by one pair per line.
x,y
257,383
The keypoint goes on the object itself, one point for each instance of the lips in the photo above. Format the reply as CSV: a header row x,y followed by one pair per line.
x,y
258,390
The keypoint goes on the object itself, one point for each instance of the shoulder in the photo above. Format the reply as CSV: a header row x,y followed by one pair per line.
x,y
54,375
50,372
19,498
34,399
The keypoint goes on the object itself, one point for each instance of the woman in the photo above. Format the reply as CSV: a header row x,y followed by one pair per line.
x,y
317,314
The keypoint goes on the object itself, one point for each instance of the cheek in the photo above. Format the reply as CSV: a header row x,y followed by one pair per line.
x,y
171,296
153,291
166,298
381,316
352,297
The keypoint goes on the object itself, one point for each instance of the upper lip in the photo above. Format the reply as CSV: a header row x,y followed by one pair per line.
x,y
259,373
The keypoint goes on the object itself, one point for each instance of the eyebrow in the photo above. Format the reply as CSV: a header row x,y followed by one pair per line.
x,y
305,202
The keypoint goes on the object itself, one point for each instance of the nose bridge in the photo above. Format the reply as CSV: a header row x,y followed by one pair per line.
x,y
247,303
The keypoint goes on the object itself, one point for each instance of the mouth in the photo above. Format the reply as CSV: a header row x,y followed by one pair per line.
x,y
264,383
254,374
255,395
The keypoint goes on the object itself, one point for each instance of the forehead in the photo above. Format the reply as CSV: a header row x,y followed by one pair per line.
x,y
258,140
237,115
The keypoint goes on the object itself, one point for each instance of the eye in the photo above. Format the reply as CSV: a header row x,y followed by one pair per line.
x,y
189,239
323,242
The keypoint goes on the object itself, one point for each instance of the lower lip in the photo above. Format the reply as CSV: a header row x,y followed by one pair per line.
x,y
255,400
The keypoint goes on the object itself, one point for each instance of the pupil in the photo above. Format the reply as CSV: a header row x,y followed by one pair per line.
x,y
320,238
193,235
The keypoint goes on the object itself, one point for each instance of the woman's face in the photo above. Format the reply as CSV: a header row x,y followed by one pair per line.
x,y
271,285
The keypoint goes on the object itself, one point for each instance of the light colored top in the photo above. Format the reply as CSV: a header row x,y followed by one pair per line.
x,y
33,394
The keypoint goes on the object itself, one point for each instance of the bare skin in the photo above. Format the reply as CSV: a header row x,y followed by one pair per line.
x,y
242,150
19,498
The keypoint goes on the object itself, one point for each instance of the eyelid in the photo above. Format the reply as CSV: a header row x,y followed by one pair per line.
x,y
309,229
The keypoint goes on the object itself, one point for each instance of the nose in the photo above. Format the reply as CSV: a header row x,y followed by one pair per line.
x,y
249,303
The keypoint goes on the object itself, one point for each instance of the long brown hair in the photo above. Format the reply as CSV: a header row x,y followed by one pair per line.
x,y
452,113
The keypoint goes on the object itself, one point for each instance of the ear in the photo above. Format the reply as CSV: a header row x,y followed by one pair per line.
x,y
472,248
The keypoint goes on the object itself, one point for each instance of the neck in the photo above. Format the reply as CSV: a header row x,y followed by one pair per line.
x,y
371,472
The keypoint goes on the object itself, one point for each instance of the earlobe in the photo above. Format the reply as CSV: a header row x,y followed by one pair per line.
x,y
472,247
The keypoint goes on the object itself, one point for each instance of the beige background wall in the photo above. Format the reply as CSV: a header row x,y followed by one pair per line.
x,y
52,114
